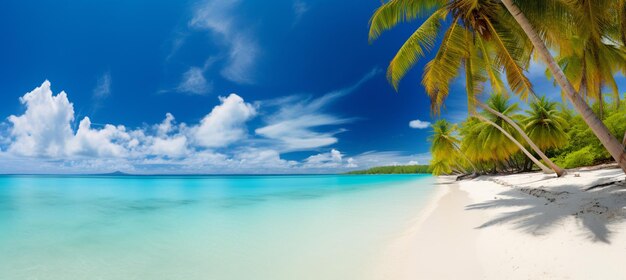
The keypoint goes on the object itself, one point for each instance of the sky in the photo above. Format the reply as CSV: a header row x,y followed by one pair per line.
x,y
217,86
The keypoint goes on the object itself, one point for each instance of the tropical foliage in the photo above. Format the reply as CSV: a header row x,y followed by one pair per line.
x,y
581,138
479,39
487,39
564,136
545,125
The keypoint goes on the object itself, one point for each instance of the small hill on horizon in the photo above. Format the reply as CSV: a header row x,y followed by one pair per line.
x,y
114,173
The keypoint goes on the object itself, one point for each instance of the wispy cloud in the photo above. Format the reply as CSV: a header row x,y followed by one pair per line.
x,y
103,86
194,82
295,125
219,18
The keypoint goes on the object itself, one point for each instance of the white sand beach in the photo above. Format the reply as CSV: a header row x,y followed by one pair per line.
x,y
525,226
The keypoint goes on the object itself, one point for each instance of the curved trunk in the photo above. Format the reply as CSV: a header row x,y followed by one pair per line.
x,y
465,157
558,170
613,146
526,152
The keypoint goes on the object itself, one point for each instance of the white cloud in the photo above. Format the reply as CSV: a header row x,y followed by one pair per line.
x,y
292,126
44,129
331,159
251,158
418,124
174,147
105,142
193,82
388,158
166,126
225,124
42,140
103,86
218,17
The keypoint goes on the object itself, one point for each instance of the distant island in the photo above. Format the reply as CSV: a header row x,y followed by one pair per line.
x,y
395,169
115,173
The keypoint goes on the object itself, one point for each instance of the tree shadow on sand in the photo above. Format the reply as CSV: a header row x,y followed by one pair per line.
x,y
539,210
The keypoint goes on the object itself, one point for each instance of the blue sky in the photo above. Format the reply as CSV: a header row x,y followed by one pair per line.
x,y
218,86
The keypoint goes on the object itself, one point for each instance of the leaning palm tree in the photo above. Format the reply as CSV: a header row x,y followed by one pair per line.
x,y
499,139
482,39
440,167
545,125
445,145
518,10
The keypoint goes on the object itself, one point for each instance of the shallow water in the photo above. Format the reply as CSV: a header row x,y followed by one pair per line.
x,y
212,227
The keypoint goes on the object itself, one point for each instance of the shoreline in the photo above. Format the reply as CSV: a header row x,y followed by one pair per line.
x,y
397,261
521,226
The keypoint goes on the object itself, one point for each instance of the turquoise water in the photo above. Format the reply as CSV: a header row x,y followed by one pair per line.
x,y
213,227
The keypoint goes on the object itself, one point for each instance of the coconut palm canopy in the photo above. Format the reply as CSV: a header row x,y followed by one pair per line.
x,y
477,30
479,39
545,124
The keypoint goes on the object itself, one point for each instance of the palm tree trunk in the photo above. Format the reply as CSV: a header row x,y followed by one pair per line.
x,y
526,152
465,157
613,146
558,170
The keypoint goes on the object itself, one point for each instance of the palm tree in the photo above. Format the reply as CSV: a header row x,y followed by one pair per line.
x,y
558,170
545,125
440,167
499,138
445,145
590,58
613,146
482,39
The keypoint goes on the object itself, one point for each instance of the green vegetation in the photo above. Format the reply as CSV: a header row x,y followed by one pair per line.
x,y
396,169
564,137
583,148
487,41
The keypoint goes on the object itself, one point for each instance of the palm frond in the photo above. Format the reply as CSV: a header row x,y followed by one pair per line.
x,y
442,69
397,11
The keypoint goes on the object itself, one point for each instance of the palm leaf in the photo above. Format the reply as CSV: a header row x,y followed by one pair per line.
x,y
422,40
397,11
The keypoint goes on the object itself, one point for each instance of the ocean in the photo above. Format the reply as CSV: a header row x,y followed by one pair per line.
x,y
319,227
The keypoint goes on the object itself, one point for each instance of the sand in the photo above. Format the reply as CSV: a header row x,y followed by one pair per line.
x,y
526,226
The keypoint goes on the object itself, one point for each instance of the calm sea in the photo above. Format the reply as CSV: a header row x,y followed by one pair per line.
x,y
210,227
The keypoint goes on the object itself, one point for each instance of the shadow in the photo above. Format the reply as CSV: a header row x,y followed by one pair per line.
x,y
539,210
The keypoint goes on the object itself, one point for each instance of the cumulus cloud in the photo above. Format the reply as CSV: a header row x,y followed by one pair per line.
x,y
173,147
225,124
105,142
42,140
418,124
44,129
219,19
332,159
